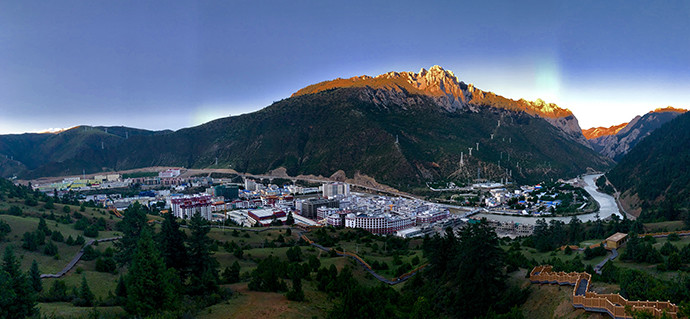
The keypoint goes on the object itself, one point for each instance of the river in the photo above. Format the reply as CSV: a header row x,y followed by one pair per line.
x,y
607,207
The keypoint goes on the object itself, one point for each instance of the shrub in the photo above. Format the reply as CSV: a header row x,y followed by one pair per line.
x,y
106,264
50,249
57,236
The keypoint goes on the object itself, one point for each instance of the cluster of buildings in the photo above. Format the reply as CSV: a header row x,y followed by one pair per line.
x,y
377,214
528,200
261,205
168,178
512,229
255,204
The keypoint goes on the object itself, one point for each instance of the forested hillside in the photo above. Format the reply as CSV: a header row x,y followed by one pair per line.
x,y
655,173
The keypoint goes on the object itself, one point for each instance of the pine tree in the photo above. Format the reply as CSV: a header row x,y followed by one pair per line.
x,y
19,300
231,274
171,240
121,291
149,286
131,226
43,227
29,241
35,277
290,220
203,267
296,294
422,309
85,296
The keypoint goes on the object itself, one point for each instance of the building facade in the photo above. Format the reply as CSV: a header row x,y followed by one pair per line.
x,y
186,206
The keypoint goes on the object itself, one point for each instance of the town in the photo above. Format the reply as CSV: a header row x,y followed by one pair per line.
x,y
247,202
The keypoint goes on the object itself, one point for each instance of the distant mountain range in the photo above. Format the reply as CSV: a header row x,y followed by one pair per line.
x,y
403,129
618,140
653,177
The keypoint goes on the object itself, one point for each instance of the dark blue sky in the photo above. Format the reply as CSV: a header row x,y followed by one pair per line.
x,y
172,64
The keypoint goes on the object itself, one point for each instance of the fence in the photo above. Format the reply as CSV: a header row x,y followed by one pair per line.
x,y
613,304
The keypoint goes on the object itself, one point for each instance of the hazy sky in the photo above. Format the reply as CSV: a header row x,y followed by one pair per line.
x,y
173,64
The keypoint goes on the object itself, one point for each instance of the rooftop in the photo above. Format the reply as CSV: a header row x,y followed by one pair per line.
x,y
617,237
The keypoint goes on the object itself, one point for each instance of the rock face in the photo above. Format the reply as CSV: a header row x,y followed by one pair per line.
x,y
626,136
595,132
451,94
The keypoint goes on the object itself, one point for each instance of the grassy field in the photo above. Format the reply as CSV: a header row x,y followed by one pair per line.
x,y
664,226
47,264
244,303
651,268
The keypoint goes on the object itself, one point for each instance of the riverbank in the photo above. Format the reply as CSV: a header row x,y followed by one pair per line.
x,y
607,207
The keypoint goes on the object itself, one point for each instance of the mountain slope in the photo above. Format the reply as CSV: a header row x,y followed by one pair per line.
x,y
43,152
626,137
447,91
654,174
596,132
400,136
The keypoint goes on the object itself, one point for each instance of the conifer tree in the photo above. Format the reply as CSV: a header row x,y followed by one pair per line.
x,y
35,277
171,240
121,291
149,286
131,226
203,267
85,296
18,299
43,227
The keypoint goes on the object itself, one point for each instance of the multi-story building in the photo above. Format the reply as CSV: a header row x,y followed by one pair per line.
x,y
169,173
431,216
310,206
186,206
332,189
265,216
378,223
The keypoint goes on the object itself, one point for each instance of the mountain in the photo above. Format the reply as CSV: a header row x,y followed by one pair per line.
x,y
653,177
616,141
44,153
444,88
397,134
596,132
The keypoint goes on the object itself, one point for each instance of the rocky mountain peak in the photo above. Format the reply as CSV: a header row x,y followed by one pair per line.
x,y
447,91
668,109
